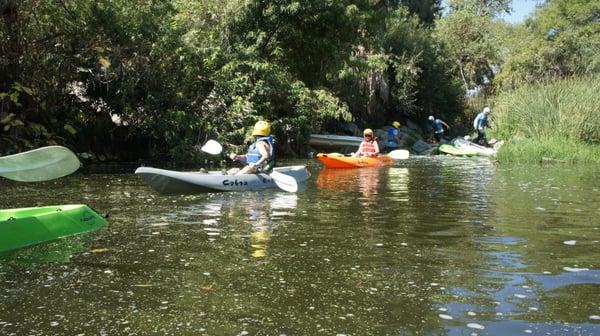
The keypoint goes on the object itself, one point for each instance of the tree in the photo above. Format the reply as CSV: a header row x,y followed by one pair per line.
x,y
481,7
561,39
467,32
426,10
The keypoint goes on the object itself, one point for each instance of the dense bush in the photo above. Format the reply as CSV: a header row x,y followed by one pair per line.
x,y
163,76
562,118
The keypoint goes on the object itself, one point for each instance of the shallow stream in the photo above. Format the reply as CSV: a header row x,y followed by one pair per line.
x,y
429,246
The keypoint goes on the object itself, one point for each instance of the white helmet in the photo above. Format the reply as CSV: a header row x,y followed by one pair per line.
x,y
431,118
486,110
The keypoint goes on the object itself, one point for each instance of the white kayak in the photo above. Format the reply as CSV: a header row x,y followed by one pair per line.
x,y
170,182
330,140
468,145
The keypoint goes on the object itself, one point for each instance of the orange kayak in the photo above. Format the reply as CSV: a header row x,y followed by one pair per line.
x,y
335,160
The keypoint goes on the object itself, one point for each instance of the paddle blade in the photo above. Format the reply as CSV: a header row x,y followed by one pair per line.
x,y
42,164
399,154
212,147
284,182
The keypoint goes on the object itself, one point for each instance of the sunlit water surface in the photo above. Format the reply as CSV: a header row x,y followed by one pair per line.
x,y
430,246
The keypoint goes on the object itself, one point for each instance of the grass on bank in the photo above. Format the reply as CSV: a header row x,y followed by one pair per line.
x,y
558,121
548,151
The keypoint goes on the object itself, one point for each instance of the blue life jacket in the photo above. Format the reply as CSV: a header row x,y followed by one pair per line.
x,y
437,126
392,135
253,154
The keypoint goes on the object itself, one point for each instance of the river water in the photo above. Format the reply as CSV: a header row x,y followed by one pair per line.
x,y
430,246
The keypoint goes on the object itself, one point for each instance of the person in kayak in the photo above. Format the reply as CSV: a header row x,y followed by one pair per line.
x,y
479,124
438,128
393,136
369,145
261,154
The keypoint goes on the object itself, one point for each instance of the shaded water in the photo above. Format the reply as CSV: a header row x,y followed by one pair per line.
x,y
431,246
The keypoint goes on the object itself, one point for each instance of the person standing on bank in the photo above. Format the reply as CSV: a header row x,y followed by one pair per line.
x,y
369,146
261,154
479,124
438,128
393,135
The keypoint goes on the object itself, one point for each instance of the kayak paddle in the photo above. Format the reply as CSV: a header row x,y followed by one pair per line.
x,y
212,147
42,164
283,181
399,154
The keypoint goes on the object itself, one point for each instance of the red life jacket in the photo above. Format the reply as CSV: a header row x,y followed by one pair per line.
x,y
368,147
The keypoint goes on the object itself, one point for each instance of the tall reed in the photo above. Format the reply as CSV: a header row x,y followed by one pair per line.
x,y
554,121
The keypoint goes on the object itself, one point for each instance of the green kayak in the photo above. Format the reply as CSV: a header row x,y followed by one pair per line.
x,y
29,226
450,149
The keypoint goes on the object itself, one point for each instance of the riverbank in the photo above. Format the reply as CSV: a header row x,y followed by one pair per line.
x,y
557,122
554,150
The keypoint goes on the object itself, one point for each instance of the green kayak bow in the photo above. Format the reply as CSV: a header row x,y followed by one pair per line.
x,y
30,226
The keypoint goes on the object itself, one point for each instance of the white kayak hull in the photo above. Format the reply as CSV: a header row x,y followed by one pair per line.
x,y
330,140
468,145
170,182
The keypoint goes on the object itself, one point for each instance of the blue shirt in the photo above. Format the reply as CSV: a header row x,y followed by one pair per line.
x,y
437,126
480,121
392,136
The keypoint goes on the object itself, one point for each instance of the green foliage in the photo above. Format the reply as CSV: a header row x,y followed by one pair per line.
x,y
567,108
396,70
560,40
310,37
561,117
264,90
422,82
468,36
426,10
482,8
555,120
163,76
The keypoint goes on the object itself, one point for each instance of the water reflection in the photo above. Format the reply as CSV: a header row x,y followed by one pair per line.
x,y
363,180
398,182
533,269
262,215
430,246
57,251
227,214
